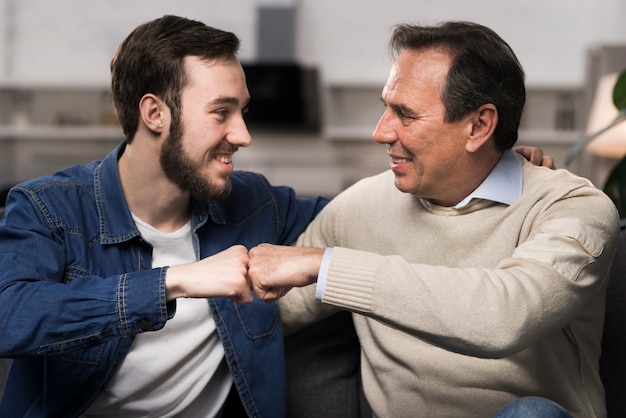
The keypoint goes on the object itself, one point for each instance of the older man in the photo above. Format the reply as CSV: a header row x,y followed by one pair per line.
x,y
479,278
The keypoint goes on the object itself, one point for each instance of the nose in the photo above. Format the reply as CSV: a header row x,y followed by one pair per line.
x,y
239,134
384,132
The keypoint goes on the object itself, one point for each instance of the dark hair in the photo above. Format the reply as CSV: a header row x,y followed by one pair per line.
x,y
151,60
484,69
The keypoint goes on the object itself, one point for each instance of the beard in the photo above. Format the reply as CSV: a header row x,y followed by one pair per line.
x,y
182,171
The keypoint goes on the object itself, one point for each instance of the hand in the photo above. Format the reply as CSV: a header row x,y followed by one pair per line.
x,y
535,156
275,269
221,275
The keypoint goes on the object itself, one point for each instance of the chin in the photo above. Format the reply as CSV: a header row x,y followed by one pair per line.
x,y
400,185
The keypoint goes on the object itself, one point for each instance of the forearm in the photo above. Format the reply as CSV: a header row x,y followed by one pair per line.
x,y
57,293
224,274
275,269
480,312
41,317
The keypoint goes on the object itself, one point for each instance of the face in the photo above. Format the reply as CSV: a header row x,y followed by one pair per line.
x,y
197,155
427,154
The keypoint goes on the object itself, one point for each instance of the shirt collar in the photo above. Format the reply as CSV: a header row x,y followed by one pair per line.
x,y
502,185
116,223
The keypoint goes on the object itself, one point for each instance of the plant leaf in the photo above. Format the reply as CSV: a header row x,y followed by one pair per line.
x,y
619,92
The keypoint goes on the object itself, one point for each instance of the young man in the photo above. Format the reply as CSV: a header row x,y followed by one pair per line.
x,y
477,280
123,288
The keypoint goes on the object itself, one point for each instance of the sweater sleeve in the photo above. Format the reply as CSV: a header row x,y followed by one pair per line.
x,y
552,270
547,281
299,308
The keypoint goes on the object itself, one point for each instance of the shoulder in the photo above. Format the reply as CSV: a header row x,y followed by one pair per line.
x,y
559,182
560,191
378,183
376,189
66,199
254,201
249,186
367,199
250,193
247,177
63,184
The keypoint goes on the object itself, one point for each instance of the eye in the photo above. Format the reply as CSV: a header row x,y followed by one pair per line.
x,y
405,114
402,112
407,117
222,113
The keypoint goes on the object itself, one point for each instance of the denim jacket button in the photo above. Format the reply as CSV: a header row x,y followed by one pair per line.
x,y
144,324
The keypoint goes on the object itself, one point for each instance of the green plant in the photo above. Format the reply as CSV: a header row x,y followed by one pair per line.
x,y
615,186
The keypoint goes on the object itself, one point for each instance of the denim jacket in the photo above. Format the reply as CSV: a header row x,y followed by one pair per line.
x,y
76,286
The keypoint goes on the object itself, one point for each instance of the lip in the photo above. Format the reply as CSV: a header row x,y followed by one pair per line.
x,y
224,160
398,161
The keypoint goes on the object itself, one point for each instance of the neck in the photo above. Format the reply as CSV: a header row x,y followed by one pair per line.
x,y
149,194
474,173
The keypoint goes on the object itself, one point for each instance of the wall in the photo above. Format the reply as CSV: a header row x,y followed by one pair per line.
x,y
71,42
62,41
67,45
550,37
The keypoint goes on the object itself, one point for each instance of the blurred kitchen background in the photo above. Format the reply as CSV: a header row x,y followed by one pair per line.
x,y
315,70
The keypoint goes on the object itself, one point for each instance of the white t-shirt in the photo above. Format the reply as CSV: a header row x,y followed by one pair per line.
x,y
179,370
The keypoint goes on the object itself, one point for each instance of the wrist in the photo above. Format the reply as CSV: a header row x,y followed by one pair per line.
x,y
174,288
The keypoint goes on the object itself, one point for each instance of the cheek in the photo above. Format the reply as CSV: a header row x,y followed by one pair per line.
x,y
194,135
434,154
420,142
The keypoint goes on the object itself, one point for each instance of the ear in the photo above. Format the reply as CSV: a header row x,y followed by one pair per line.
x,y
153,113
483,124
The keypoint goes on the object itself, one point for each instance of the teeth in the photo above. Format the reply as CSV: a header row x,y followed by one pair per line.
x,y
400,160
225,160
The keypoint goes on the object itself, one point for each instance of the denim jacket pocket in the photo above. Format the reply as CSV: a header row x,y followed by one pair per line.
x,y
258,319
86,350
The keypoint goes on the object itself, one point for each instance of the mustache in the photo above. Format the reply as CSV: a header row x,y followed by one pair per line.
x,y
225,148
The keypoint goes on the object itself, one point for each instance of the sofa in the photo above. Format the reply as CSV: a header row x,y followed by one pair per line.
x,y
323,374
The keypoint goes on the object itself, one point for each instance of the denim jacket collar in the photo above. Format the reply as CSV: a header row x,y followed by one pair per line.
x,y
116,222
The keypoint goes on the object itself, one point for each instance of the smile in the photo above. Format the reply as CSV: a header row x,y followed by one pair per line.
x,y
226,159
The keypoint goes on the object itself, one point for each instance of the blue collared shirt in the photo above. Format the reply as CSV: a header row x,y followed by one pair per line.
x,y
502,185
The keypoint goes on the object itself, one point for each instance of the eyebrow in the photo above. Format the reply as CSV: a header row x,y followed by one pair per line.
x,y
395,106
225,100
228,100
398,107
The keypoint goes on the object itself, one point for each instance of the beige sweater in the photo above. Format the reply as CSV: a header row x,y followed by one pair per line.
x,y
460,311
